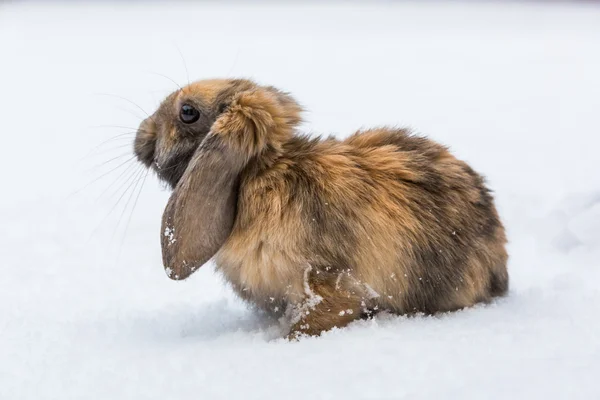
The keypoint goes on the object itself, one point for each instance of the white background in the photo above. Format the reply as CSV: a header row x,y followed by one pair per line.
x,y
86,311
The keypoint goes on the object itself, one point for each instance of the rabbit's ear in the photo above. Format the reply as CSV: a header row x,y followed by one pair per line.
x,y
200,213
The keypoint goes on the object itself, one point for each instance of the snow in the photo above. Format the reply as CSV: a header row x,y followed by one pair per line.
x,y
170,233
85,309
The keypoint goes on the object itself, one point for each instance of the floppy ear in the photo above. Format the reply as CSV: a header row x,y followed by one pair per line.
x,y
200,213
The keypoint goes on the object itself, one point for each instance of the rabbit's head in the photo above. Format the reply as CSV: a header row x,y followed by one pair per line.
x,y
167,139
199,141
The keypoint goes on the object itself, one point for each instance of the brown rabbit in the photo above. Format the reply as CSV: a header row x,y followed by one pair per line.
x,y
325,230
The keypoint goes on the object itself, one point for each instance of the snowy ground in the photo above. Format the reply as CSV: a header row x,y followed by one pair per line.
x,y
86,311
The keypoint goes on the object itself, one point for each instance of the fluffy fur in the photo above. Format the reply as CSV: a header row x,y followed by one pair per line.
x,y
328,230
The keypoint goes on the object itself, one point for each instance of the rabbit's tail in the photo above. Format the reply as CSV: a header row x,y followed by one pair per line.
x,y
499,281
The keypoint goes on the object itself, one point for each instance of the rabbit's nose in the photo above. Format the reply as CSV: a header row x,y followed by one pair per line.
x,y
147,127
145,141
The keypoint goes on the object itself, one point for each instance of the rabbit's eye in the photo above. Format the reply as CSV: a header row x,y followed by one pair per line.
x,y
188,114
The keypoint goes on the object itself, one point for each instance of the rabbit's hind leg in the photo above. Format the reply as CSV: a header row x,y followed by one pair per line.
x,y
328,304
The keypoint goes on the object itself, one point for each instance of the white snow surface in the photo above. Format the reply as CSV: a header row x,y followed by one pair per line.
x,y
86,311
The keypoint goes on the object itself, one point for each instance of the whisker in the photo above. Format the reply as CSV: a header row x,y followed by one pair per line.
x,y
124,172
125,99
111,150
136,173
187,74
109,161
116,138
132,211
234,62
166,77
173,166
135,185
130,112
112,126
101,176
132,182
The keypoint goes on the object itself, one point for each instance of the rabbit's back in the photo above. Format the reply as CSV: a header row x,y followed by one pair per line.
x,y
390,217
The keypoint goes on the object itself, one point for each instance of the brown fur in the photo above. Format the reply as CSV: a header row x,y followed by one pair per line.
x,y
330,230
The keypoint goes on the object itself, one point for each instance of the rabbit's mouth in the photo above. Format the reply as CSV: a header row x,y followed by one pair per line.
x,y
171,169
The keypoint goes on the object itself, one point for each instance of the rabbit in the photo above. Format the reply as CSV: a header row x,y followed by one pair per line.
x,y
319,231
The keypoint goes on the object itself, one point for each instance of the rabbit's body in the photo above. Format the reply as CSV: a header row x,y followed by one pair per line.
x,y
328,230
392,219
